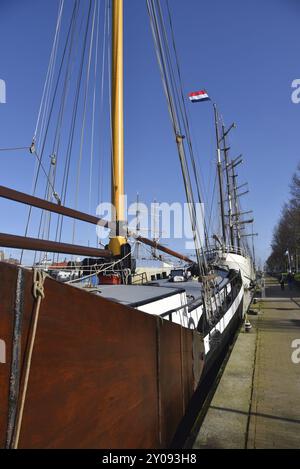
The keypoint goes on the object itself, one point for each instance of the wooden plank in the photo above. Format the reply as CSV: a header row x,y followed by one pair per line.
x,y
21,197
34,244
162,248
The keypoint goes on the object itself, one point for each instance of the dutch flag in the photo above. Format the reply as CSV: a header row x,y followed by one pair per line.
x,y
198,96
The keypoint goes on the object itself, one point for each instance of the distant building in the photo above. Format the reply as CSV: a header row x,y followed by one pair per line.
x,y
11,260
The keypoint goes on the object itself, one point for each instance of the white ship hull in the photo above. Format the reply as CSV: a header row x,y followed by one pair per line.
x,y
240,263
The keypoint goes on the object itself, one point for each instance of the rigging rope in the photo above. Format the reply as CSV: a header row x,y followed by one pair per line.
x,y
50,65
37,172
167,74
87,82
100,270
73,125
56,143
74,46
93,111
54,193
65,91
15,148
178,116
106,39
211,205
181,104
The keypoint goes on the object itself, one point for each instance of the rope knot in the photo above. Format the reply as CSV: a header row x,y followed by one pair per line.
x,y
38,283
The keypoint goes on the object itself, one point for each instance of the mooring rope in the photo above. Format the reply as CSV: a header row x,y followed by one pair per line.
x,y
39,294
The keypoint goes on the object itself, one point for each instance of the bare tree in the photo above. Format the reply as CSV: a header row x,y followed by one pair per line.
x,y
286,235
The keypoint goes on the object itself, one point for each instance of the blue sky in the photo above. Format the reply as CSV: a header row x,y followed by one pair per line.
x,y
245,54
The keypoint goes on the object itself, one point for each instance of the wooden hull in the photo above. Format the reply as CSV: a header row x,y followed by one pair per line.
x,y
102,375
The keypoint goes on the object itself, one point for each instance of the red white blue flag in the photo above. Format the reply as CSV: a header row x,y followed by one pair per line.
x,y
196,96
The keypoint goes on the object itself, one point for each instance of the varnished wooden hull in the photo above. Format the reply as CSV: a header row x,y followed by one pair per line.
x,y
103,375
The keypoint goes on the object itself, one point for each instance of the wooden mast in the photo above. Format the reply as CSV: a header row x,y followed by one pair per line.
x,y
219,167
229,198
117,126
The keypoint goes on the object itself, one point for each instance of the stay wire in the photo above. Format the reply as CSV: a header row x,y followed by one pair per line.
x,y
185,116
94,109
163,63
74,116
87,82
44,142
50,65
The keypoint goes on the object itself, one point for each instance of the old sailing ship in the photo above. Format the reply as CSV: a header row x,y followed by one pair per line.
x,y
231,248
115,365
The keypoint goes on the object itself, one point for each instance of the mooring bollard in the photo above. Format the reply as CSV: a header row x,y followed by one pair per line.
x,y
247,324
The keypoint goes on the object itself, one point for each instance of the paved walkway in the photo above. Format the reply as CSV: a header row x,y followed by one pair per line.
x,y
273,289
257,403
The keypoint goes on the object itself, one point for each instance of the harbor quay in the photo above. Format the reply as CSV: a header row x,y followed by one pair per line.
x,y
257,401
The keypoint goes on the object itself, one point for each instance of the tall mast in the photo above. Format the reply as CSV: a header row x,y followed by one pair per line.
x,y
138,225
219,167
117,125
237,216
225,149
